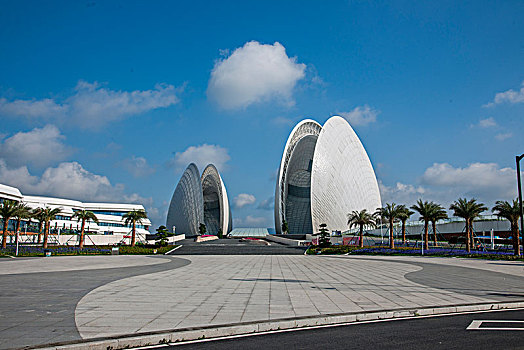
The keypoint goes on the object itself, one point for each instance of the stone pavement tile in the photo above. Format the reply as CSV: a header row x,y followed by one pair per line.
x,y
234,288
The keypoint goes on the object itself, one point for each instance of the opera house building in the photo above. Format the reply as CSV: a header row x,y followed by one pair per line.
x,y
325,173
199,199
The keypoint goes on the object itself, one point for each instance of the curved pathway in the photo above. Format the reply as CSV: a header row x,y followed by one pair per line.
x,y
38,307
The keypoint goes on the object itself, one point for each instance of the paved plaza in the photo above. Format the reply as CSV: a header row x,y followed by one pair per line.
x,y
165,293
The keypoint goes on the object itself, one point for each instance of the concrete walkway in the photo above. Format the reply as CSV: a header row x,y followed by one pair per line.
x,y
216,290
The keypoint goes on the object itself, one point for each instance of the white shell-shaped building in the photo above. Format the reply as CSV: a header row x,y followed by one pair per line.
x,y
325,173
199,200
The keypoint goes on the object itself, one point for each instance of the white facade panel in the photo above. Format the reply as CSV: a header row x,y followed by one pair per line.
x,y
343,178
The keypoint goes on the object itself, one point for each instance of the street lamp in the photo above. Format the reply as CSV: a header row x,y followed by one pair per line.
x,y
518,158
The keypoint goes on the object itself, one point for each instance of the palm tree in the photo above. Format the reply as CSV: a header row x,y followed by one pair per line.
x,y
403,215
424,209
37,214
510,212
468,210
22,212
438,213
7,211
83,215
361,218
132,218
48,214
389,213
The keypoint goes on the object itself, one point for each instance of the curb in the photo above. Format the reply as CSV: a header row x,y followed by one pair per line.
x,y
186,334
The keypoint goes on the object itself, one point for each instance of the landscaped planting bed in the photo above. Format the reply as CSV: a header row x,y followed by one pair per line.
x,y
27,251
441,252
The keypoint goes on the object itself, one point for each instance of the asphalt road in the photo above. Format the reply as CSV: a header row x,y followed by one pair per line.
x,y
444,332
39,308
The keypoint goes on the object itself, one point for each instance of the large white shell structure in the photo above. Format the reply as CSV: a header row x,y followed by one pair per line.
x,y
325,173
199,200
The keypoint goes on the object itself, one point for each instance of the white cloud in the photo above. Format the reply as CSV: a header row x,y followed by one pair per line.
x,y
401,193
252,221
486,181
244,199
443,183
137,166
67,180
361,115
267,204
39,147
504,136
17,177
487,123
511,96
92,106
283,121
202,156
254,73
31,108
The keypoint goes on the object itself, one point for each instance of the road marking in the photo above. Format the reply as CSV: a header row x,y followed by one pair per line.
x,y
172,250
475,325
205,340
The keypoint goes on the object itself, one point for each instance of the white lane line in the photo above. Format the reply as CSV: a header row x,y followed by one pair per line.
x,y
476,325
172,250
205,340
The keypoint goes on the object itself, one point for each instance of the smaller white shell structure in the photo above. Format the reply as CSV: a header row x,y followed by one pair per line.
x,y
199,200
217,215
325,173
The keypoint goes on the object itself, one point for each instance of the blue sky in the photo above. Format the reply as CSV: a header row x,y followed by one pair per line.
x,y
110,100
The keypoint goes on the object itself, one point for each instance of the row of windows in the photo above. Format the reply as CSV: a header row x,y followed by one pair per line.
x,y
25,223
112,224
103,212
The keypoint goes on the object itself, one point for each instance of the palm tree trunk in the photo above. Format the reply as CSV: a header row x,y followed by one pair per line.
x,y
515,234
468,244
81,243
426,235
17,230
46,233
471,240
40,226
391,241
133,235
434,225
361,245
4,235
404,231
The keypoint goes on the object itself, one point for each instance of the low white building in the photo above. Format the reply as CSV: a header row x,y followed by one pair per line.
x,y
109,230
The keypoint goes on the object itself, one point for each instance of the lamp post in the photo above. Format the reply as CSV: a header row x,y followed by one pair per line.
x,y
519,186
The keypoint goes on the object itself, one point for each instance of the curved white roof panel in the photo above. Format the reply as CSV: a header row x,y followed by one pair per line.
x,y
186,207
307,130
324,174
343,178
8,192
